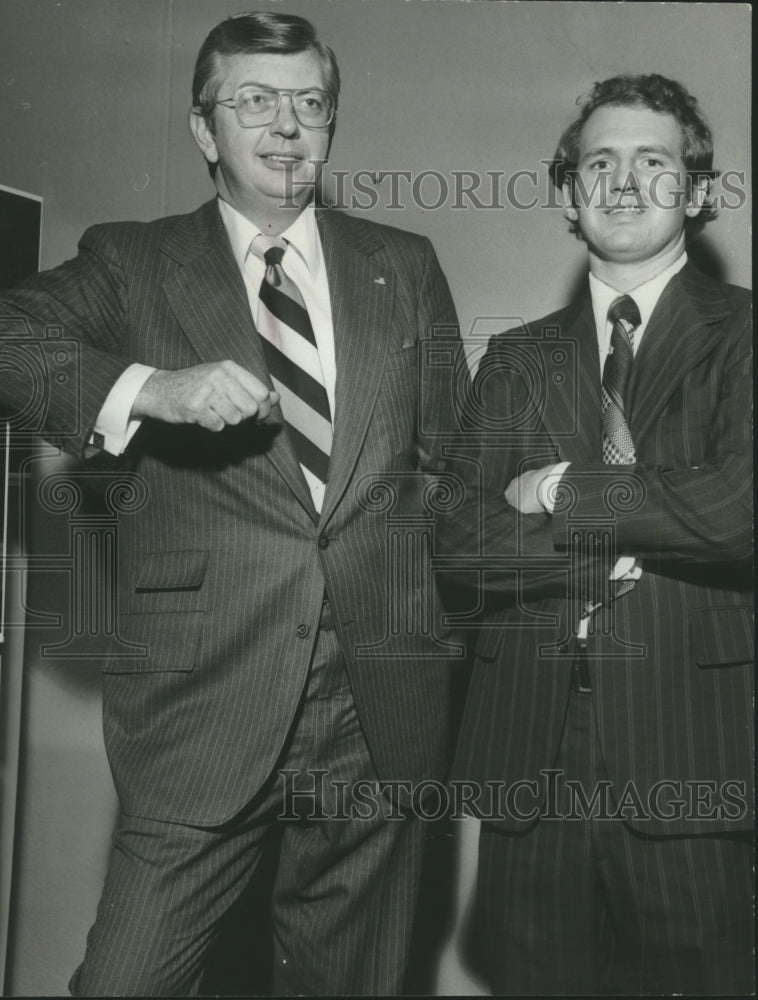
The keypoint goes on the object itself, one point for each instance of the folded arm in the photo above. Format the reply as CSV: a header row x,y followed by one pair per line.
x,y
686,515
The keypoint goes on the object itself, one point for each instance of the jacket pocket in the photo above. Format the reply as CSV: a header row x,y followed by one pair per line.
x,y
170,640
722,637
178,570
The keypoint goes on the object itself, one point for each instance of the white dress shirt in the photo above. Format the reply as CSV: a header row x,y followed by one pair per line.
x,y
646,297
303,262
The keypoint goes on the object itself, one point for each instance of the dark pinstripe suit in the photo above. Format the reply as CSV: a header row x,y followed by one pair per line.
x,y
680,708
223,572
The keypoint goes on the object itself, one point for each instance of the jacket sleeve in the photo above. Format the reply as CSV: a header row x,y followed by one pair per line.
x,y
491,547
439,340
60,337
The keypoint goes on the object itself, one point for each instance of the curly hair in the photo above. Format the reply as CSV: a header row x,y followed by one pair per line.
x,y
659,94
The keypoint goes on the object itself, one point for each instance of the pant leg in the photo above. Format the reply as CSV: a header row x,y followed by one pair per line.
x,y
346,888
682,909
539,900
590,906
345,892
344,905
166,888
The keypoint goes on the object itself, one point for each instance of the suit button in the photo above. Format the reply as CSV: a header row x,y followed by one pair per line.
x,y
323,542
302,631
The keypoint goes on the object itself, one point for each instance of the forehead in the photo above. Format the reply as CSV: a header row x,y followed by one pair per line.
x,y
614,126
295,70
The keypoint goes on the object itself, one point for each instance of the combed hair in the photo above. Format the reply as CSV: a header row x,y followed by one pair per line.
x,y
252,34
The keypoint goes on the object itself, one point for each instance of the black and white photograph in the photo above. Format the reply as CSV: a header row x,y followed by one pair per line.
x,y
376,498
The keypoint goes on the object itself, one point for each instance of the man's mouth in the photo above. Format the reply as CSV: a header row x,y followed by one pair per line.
x,y
625,210
281,160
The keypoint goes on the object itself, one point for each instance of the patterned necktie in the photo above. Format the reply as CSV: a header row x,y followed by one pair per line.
x,y
293,361
618,446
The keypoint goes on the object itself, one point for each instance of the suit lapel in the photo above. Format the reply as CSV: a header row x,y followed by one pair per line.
x,y
362,294
572,413
682,330
209,300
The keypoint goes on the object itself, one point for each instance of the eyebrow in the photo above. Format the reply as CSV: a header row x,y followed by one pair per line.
x,y
268,86
606,150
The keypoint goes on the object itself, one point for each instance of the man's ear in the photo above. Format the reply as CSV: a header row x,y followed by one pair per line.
x,y
569,210
700,188
203,135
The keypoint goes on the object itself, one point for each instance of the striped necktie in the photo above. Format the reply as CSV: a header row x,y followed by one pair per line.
x,y
618,446
293,361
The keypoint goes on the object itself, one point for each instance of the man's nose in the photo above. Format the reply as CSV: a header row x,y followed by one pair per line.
x,y
624,178
285,122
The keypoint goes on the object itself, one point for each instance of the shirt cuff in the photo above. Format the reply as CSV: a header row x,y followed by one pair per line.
x,y
114,427
548,485
626,568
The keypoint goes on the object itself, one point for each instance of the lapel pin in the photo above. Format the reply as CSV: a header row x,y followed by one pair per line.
x,y
379,281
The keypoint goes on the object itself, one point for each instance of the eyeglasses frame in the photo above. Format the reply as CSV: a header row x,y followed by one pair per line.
x,y
231,102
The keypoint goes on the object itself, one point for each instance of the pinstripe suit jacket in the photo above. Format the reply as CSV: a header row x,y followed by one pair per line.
x,y
671,665
222,573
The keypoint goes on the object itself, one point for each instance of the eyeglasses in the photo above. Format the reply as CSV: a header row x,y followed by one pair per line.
x,y
260,106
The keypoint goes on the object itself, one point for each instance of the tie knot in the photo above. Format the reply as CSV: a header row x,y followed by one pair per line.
x,y
273,256
624,307
269,248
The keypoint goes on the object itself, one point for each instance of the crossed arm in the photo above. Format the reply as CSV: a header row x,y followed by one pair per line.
x,y
688,515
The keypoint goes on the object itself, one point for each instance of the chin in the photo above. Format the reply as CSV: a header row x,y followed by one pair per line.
x,y
292,187
615,251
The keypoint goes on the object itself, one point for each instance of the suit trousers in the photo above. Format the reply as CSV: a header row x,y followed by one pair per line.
x,y
345,888
592,907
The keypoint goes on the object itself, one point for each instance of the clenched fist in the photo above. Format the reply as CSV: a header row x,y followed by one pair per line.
x,y
212,395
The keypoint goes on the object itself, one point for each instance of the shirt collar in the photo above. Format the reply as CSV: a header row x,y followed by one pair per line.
x,y
645,295
302,235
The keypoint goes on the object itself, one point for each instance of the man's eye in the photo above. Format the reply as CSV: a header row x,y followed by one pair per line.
x,y
254,99
599,165
652,161
310,102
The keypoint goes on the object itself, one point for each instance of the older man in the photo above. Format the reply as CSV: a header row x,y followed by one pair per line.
x,y
256,362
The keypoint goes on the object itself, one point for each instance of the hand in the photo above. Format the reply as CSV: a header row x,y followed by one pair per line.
x,y
212,395
523,491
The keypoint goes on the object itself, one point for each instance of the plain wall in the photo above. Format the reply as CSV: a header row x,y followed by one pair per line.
x,y
93,118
